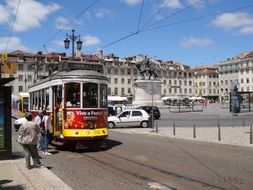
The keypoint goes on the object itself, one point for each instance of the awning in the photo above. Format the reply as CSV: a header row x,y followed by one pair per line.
x,y
117,98
4,81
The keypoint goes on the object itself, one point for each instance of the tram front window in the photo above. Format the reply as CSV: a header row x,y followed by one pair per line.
x,y
90,95
72,94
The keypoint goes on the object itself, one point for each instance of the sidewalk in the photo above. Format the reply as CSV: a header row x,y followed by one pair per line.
x,y
14,175
236,136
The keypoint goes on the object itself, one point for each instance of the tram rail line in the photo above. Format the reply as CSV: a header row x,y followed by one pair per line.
x,y
150,174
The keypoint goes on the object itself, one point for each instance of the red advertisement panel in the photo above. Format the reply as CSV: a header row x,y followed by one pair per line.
x,y
85,119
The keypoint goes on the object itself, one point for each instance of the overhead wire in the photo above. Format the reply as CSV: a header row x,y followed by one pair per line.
x,y
120,39
139,20
128,35
198,18
45,48
175,23
65,26
14,20
149,27
158,12
173,14
139,31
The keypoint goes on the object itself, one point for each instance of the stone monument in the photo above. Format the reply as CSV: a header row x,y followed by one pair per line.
x,y
147,90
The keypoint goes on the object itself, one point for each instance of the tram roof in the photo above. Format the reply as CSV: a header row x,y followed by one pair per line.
x,y
78,74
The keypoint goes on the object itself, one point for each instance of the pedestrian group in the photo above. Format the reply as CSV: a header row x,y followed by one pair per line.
x,y
34,135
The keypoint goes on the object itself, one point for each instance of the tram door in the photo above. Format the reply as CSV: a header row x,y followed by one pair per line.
x,y
57,110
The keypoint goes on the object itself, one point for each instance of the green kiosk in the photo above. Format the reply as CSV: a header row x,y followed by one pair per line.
x,y
5,119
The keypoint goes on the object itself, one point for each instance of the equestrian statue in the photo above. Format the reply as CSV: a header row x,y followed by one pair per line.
x,y
144,67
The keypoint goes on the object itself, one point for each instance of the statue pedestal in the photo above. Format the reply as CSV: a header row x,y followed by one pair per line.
x,y
147,92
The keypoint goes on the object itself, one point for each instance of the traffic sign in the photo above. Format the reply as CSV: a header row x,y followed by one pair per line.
x,y
151,87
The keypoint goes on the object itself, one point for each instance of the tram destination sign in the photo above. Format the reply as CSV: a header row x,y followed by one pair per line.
x,y
81,66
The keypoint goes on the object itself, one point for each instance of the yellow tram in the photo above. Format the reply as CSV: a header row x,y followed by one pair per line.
x,y
76,100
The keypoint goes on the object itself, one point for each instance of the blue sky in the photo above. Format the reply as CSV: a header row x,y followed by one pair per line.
x,y
192,32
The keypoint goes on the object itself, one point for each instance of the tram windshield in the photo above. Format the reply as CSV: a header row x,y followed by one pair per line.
x,y
90,95
72,94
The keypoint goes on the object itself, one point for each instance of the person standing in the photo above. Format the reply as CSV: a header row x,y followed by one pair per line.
x,y
28,138
118,109
123,107
45,130
38,120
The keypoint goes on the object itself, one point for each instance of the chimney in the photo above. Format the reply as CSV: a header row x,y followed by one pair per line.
x,y
100,54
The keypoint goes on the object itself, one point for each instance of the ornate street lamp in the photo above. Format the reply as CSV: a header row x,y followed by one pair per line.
x,y
73,38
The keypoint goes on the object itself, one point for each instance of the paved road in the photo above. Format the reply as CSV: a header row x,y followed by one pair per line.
x,y
210,117
138,161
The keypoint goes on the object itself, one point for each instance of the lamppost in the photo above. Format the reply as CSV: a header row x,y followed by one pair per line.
x,y
73,38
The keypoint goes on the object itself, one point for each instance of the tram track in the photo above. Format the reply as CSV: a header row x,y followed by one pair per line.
x,y
150,174
130,162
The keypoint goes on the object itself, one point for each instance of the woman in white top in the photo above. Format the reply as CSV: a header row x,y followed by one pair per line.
x,y
28,137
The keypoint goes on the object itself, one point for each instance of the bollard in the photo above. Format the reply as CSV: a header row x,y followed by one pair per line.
x,y
219,132
194,131
250,135
156,129
174,128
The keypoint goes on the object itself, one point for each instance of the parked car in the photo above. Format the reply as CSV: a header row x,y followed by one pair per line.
x,y
129,118
18,122
111,110
148,109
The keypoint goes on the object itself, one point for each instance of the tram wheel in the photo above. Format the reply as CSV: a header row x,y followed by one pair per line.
x,y
111,125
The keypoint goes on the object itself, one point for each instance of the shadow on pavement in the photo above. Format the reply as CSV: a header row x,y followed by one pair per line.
x,y
6,187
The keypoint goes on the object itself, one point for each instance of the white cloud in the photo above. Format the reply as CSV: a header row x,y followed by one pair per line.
x,y
230,21
14,44
4,15
171,4
132,2
247,30
89,40
30,13
61,23
195,42
101,13
199,4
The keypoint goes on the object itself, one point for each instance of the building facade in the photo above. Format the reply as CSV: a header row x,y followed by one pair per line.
x,y
238,68
206,82
177,79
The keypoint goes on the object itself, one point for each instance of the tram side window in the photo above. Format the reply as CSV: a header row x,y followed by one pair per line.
x,y
47,99
58,97
43,102
72,94
103,96
26,104
36,102
90,95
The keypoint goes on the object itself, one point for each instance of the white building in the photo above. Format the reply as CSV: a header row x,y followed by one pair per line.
x,y
206,82
238,68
